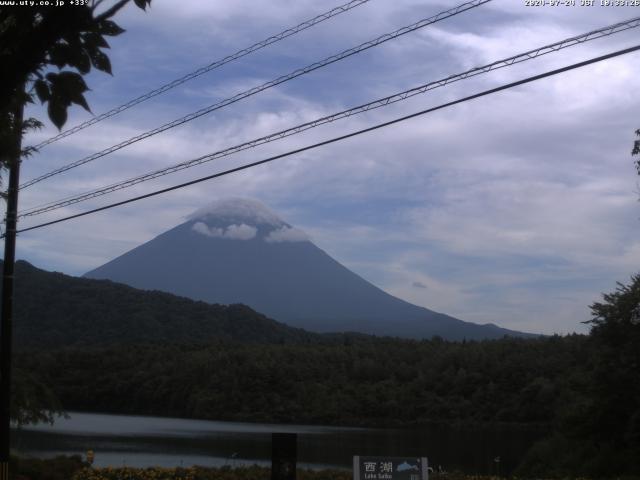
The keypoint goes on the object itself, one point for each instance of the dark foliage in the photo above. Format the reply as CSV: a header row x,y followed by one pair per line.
x,y
613,421
58,468
600,436
615,334
55,310
32,400
364,382
636,150
38,42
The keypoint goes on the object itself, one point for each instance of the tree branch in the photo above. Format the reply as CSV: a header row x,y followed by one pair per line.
x,y
112,11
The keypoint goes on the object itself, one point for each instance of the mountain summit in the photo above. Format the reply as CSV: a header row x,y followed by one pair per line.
x,y
239,251
243,219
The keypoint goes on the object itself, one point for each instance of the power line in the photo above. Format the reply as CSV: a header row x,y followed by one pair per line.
x,y
340,138
240,96
212,66
529,55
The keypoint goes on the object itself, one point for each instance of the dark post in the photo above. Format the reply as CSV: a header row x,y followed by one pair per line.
x,y
7,289
284,453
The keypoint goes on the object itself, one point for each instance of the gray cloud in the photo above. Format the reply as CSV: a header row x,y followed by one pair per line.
x,y
232,232
455,199
286,234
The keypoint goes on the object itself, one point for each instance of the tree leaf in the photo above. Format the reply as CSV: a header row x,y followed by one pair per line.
x,y
108,27
92,40
73,87
76,56
82,61
59,55
79,99
42,90
70,82
66,88
57,112
31,123
101,61
142,3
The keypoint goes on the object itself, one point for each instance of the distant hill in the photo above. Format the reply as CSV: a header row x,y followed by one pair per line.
x,y
239,251
54,310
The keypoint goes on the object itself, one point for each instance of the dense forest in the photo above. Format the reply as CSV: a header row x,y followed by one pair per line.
x,y
545,382
365,382
231,363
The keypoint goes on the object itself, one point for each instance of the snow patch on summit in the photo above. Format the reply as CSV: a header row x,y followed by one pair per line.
x,y
238,211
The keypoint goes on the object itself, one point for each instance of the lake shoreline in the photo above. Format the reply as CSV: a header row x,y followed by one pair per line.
x,y
138,441
544,427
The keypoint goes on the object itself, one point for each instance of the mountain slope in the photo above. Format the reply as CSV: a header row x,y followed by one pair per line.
x,y
54,310
238,251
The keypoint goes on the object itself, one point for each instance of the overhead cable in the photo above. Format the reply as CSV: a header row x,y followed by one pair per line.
x,y
340,138
388,100
201,71
240,96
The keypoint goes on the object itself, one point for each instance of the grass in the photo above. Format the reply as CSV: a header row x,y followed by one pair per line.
x,y
74,468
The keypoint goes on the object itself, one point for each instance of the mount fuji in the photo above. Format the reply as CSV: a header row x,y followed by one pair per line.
x,y
239,251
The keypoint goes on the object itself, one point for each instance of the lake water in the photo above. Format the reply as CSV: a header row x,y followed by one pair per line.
x,y
119,440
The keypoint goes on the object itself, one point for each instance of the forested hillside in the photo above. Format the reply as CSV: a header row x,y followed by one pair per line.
x,y
53,310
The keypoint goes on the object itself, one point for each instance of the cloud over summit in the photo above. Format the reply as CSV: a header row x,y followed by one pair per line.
x,y
239,210
232,232
286,234
241,219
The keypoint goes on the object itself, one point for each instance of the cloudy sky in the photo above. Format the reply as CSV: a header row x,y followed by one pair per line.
x,y
519,208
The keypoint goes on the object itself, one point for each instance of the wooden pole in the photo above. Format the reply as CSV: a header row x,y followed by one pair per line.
x,y
6,318
284,455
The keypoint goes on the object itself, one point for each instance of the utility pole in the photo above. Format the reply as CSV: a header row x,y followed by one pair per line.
x,y
6,319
